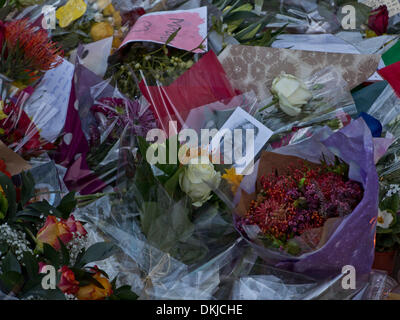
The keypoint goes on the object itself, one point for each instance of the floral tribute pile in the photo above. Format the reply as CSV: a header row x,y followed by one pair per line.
x,y
111,189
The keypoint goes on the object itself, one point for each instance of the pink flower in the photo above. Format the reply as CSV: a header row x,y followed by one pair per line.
x,y
41,266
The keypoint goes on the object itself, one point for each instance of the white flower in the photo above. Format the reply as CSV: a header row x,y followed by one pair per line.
x,y
198,179
98,17
385,219
291,92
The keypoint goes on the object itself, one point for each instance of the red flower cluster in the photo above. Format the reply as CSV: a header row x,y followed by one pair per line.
x,y
37,49
289,205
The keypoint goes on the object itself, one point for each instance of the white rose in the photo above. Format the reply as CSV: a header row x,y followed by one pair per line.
x,y
385,219
291,92
197,180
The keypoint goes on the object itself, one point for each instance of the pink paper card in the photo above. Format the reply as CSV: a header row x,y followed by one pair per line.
x,y
158,26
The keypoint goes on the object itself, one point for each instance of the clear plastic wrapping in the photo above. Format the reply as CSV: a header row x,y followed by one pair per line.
x,y
20,129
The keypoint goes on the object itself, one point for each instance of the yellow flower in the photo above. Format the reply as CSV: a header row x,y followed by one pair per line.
x,y
93,292
109,10
117,19
233,179
71,11
101,30
2,114
370,34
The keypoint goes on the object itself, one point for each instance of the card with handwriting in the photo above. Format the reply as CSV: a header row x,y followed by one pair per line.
x,y
159,26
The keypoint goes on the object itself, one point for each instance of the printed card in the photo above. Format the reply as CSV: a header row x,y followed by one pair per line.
x,y
240,140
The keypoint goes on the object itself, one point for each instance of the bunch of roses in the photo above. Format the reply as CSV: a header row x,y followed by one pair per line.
x,y
91,291
56,229
288,205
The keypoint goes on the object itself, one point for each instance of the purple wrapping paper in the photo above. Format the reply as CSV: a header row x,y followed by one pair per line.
x,y
74,146
352,243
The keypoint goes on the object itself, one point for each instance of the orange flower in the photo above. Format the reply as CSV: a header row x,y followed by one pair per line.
x,y
51,231
93,292
68,284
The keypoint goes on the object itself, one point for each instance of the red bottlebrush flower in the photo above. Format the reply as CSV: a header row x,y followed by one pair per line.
x,y
379,20
30,48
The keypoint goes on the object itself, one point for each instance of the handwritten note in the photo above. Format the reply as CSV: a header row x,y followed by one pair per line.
x,y
159,26
47,107
392,5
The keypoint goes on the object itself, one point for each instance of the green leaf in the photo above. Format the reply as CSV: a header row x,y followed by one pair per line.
x,y
10,263
252,30
143,145
391,203
125,293
64,254
67,205
149,212
79,257
31,265
380,230
97,252
173,35
28,187
51,254
43,207
11,281
239,15
95,282
172,184
9,190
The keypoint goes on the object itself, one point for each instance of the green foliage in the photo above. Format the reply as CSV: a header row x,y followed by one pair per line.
x,y
245,24
389,239
97,252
